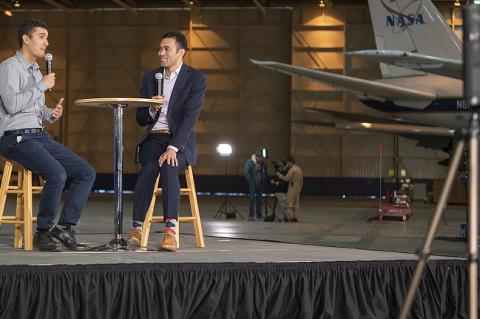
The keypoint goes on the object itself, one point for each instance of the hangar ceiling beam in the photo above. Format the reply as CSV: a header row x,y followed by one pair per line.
x,y
260,6
57,4
124,5
7,4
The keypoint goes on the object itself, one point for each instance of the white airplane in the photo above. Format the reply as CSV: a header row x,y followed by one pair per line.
x,y
421,91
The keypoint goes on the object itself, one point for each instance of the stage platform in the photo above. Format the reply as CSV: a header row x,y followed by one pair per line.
x,y
259,276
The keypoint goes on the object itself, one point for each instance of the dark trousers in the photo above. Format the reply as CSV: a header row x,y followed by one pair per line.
x,y
255,200
55,164
150,151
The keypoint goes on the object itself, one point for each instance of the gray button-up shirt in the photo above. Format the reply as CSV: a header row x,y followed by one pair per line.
x,y
22,95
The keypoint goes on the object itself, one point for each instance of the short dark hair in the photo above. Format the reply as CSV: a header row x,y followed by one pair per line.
x,y
291,160
179,39
27,27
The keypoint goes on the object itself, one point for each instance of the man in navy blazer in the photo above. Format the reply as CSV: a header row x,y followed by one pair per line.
x,y
169,144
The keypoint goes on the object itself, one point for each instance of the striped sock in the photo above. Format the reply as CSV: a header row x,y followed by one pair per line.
x,y
137,224
170,226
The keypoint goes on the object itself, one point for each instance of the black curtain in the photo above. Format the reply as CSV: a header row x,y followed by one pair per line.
x,y
232,290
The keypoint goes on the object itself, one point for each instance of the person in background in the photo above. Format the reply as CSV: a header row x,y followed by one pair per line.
x,y
294,178
255,173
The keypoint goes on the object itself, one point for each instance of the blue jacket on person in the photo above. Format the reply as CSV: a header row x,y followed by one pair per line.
x,y
183,110
254,173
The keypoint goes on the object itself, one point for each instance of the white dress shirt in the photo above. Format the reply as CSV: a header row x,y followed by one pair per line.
x,y
168,84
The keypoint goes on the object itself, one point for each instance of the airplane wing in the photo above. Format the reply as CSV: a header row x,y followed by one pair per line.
x,y
427,137
402,129
441,66
360,122
362,88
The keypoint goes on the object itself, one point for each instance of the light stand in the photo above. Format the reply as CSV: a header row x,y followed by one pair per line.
x,y
471,71
425,250
265,153
226,208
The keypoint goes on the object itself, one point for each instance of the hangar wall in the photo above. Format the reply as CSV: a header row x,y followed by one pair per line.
x,y
102,53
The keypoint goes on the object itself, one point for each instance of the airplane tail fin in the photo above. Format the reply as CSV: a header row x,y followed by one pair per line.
x,y
413,26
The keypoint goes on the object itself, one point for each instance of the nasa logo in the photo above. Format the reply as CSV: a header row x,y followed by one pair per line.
x,y
404,17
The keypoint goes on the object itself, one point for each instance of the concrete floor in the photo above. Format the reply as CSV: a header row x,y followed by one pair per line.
x,y
328,230
349,223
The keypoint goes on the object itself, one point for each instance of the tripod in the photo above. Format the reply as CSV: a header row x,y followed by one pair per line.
x,y
472,135
227,208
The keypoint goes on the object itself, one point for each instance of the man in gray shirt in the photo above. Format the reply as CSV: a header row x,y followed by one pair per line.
x,y
23,114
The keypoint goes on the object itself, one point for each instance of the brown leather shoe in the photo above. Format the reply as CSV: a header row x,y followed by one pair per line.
x,y
168,242
135,238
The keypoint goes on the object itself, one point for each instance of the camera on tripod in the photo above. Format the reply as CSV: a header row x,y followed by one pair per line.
x,y
281,167
276,166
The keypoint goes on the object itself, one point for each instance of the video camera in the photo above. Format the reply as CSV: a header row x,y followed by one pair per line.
x,y
281,167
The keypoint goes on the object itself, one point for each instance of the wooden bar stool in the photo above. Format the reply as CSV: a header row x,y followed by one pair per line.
x,y
195,218
23,212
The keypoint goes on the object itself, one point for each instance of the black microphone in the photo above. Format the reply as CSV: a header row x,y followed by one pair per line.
x,y
159,77
48,63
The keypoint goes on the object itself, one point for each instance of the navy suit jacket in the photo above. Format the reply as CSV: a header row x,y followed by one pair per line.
x,y
183,109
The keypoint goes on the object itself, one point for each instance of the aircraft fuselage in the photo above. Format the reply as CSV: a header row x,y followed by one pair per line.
x,y
442,111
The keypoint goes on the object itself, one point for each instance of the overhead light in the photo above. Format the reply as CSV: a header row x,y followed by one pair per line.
x,y
17,4
7,12
456,3
476,1
321,4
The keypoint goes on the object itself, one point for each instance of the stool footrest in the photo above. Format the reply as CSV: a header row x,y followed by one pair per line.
x,y
14,220
183,191
159,219
15,190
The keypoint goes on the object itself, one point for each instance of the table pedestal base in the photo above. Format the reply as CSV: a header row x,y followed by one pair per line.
x,y
115,244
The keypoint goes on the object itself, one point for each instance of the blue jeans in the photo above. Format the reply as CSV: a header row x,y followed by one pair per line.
x,y
55,164
255,200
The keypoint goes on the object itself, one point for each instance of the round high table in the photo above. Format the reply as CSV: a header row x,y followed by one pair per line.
x,y
118,105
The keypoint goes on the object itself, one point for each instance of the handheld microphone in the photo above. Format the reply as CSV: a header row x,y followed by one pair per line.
x,y
48,63
159,78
